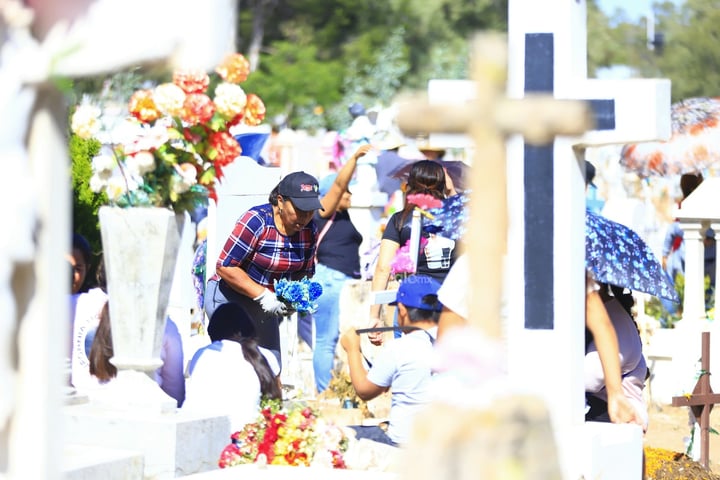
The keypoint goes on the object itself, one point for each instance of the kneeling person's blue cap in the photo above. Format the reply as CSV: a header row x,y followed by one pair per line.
x,y
414,289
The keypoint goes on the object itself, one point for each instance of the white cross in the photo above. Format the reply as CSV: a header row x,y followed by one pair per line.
x,y
547,41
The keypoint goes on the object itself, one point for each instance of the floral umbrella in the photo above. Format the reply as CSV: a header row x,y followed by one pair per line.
x,y
616,254
451,218
693,146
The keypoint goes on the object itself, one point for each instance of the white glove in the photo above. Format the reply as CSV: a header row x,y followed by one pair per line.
x,y
270,303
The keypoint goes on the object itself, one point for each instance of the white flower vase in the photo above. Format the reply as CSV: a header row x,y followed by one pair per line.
x,y
140,247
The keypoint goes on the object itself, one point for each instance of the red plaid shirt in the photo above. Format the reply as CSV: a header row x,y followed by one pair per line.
x,y
256,246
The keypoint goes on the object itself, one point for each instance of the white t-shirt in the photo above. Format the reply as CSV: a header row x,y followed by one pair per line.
x,y
85,309
453,293
222,382
404,365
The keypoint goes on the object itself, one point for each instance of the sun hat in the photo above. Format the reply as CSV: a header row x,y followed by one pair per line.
x,y
302,189
327,181
414,288
388,141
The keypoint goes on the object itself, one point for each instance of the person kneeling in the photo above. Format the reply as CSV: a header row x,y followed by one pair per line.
x,y
403,366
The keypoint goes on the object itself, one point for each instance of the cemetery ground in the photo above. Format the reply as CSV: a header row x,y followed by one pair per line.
x,y
667,428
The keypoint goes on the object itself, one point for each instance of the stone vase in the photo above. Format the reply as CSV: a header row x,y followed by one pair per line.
x,y
140,248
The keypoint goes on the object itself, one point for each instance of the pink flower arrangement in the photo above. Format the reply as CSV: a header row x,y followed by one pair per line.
x,y
293,436
424,201
169,145
402,263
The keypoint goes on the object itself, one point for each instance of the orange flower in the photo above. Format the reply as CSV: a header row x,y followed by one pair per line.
x,y
227,148
191,81
142,106
197,109
234,68
254,110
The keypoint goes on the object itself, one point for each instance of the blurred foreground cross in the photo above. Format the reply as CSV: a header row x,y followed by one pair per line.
x,y
488,119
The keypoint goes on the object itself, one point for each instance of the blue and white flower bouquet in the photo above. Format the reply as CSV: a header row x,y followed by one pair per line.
x,y
300,295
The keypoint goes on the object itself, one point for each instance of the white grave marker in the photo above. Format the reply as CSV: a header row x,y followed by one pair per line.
x,y
547,41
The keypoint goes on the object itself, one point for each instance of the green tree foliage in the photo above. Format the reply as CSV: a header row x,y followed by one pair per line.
x,y
85,202
376,48
691,58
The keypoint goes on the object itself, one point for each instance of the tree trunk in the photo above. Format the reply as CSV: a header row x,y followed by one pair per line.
x,y
261,10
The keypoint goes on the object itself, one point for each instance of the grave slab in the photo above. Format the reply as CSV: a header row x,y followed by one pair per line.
x,y
173,444
90,462
278,472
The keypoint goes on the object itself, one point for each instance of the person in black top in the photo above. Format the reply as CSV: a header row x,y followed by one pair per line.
x,y
338,261
437,253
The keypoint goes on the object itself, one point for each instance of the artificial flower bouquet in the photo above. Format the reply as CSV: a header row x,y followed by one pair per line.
x,y
169,145
402,264
287,435
300,295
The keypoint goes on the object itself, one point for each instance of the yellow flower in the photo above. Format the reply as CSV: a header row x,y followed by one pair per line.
x,y
85,121
169,99
230,99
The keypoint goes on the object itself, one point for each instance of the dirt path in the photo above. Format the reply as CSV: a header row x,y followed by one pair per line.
x,y
669,426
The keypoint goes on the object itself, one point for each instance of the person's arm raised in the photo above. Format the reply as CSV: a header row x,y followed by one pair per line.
x,y
332,198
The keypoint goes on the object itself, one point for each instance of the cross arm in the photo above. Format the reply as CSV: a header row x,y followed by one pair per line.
x,y
696,400
538,118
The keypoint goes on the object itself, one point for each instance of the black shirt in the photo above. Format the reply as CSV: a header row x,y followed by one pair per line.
x,y
339,247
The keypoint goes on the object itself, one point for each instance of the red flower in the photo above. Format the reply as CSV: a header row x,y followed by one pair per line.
x,y
191,81
234,68
254,110
142,106
227,148
230,456
197,109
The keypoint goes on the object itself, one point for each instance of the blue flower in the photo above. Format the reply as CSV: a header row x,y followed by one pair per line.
x,y
299,294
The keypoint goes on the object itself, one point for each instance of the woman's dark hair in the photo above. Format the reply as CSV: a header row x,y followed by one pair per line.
x,y
689,182
102,349
100,277
428,177
272,198
80,243
231,322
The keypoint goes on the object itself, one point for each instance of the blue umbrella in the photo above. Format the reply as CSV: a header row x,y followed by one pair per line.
x,y
450,220
617,255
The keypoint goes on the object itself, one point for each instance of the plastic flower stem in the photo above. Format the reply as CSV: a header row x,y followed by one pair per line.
x,y
427,214
127,184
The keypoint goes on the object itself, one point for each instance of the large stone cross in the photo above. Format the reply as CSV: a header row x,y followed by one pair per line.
x,y
545,260
489,118
702,400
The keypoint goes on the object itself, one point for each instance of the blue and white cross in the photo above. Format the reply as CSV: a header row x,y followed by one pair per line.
x,y
546,264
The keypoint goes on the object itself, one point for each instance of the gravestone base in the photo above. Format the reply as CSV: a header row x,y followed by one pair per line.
x,y
89,462
506,437
279,472
172,444
611,451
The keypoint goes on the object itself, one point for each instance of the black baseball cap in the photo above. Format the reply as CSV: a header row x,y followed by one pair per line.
x,y
302,190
